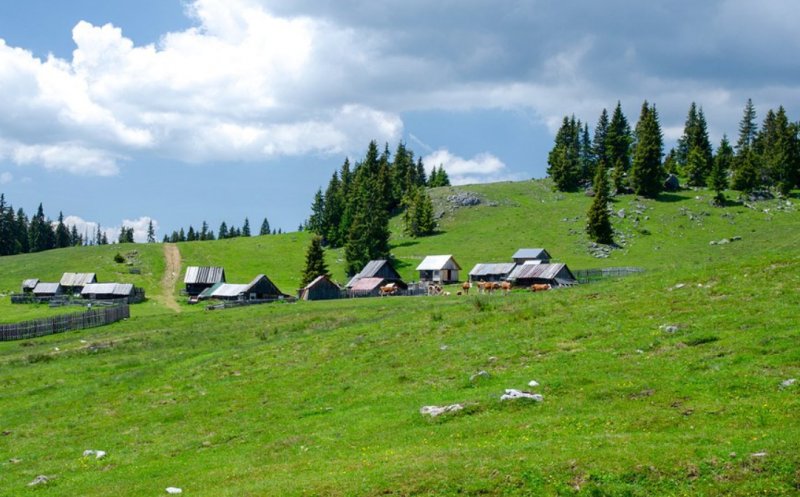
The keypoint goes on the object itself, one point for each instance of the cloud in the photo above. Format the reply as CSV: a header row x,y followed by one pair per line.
x,y
483,168
6,178
89,228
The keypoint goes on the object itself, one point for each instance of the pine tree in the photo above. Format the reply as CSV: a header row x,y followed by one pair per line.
x,y
315,262
599,144
618,142
647,172
718,179
564,163
223,230
204,231
332,212
745,171
6,227
264,227
598,224
776,147
671,162
75,239
695,137
191,235
246,227
22,228
315,221
62,233
587,157
151,232
422,180
696,167
104,239
181,235
41,233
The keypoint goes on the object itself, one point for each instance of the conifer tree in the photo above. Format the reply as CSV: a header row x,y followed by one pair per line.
x,y
718,179
695,137
587,157
62,233
204,231
181,235
264,227
671,162
315,262
618,142
315,221
22,228
151,232
246,227
647,173
696,167
421,177
564,163
191,235
598,224
223,230
745,172
104,239
332,212
6,227
599,144
74,238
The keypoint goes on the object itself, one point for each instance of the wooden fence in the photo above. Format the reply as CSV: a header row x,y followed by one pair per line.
x,y
592,275
228,304
64,322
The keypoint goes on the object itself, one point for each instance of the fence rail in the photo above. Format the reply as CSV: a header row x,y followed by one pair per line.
x,y
592,275
65,322
242,303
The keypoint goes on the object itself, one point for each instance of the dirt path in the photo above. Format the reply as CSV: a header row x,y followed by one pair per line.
x,y
172,256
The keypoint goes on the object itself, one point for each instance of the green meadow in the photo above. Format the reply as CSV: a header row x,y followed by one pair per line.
x,y
668,382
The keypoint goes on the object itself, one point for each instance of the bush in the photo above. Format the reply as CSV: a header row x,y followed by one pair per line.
x,y
119,259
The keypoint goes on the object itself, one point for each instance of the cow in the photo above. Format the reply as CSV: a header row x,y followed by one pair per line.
x,y
389,289
434,289
540,287
506,286
466,286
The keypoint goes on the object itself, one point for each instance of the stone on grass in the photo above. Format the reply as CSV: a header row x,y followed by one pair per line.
x,y
533,383
513,394
174,490
39,480
759,454
788,383
98,454
434,411
669,328
480,374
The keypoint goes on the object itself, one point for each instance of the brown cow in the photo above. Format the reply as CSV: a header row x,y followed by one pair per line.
x,y
540,287
389,289
466,286
506,286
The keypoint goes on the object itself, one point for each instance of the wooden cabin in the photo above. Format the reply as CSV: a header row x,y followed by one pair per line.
x,y
261,288
109,291
377,269
371,287
322,288
442,269
47,290
200,278
29,284
73,283
552,274
537,255
491,272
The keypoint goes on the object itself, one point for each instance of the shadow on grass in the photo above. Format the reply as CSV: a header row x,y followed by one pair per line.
x,y
670,198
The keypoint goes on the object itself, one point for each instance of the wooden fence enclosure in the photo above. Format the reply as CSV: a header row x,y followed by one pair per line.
x,y
592,275
64,322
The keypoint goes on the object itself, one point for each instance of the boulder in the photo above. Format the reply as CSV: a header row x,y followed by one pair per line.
x,y
39,480
174,490
672,184
513,394
434,411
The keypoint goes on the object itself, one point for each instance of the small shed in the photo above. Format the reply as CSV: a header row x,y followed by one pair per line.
x,y
47,290
29,284
439,269
491,272
371,287
108,291
377,269
539,255
322,288
199,278
261,288
73,283
553,274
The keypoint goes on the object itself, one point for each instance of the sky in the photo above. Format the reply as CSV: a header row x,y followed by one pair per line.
x,y
179,111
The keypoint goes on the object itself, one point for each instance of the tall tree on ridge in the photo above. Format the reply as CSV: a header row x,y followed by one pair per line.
x,y
315,262
598,225
647,172
618,144
718,179
745,172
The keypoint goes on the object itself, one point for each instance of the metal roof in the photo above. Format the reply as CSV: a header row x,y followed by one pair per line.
x,y
372,269
536,271
30,283
318,280
437,263
77,279
367,284
47,288
207,275
492,269
121,289
229,290
209,292
531,253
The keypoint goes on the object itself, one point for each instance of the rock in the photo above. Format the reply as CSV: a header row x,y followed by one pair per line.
x,y
669,328
732,455
736,238
621,213
14,460
788,383
639,351
533,383
6,433
513,394
759,454
724,241
39,480
174,490
434,411
98,454
492,359
464,199
672,184
712,242
443,347
589,192
479,375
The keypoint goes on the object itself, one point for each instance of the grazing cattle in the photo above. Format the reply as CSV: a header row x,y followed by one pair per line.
x,y
434,289
466,286
506,286
540,287
389,289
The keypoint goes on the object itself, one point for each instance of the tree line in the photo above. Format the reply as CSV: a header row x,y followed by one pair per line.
x,y
762,158
225,231
354,210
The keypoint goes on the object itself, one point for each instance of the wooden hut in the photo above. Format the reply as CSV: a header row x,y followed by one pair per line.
x,y
261,288
371,287
47,290
552,274
537,255
73,283
109,291
200,278
442,269
491,272
322,288
29,284
377,269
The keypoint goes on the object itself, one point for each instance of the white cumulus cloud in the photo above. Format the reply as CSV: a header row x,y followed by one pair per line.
x,y
483,168
89,228
6,178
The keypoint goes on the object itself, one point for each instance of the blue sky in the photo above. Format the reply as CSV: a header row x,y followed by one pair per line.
x,y
184,111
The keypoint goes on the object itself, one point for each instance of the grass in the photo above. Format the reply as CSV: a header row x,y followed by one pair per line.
x,y
322,398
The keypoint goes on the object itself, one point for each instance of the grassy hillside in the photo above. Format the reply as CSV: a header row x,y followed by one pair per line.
x,y
665,383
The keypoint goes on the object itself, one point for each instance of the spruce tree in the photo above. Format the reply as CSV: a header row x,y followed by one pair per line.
x,y
587,157
647,172
671,162
599,144
74,238
191,235
315,221
204,231
22,227
332,212
618,142
718,179
315,262
6,227
151,232
564,162
181,235
745,171
223,230
598,224
696,167
62,233
264,227
246,227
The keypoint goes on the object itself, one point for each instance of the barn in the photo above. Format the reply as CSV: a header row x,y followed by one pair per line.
x,y
441,269
491,272
108,291
73,283
47,290
261,288
322,288
29,284
377,269
537,255
553,274
200,278
371,287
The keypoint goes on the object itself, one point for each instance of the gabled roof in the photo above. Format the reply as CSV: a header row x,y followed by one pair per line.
x,y
204,275
47,288
540,271
121,289
437,263
318,280
531,253
492,269
78,279
374,269
229,290
367,284
30,284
